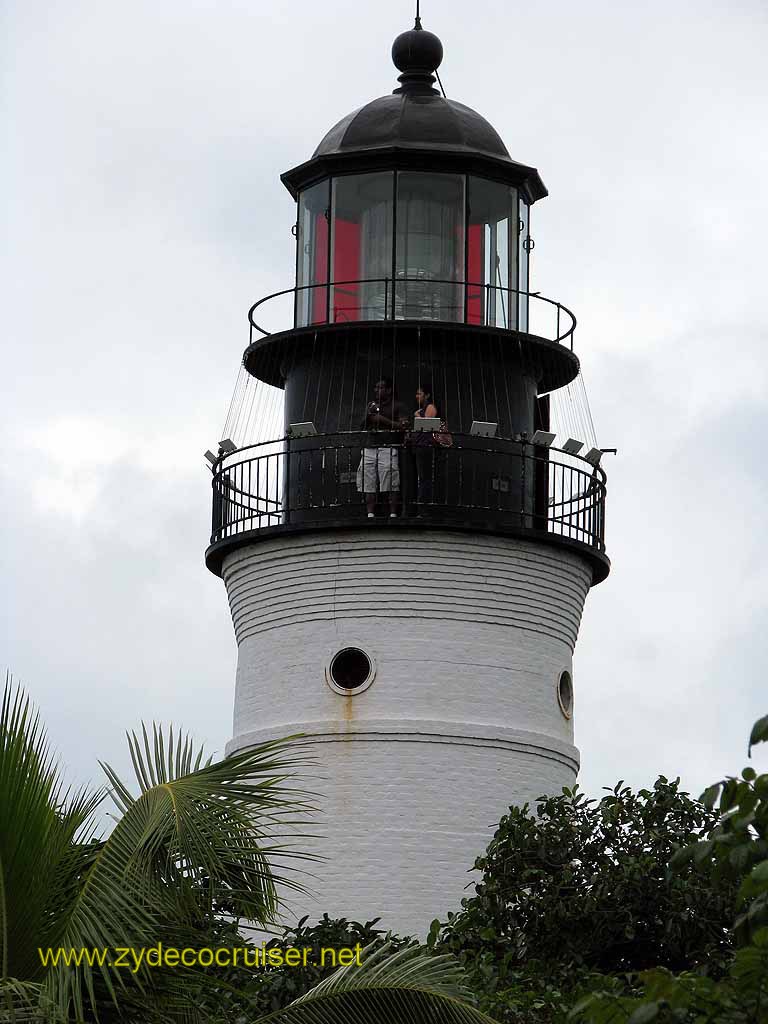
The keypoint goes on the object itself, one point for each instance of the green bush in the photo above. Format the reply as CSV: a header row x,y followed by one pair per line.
x,y
734,853
251,992
582,889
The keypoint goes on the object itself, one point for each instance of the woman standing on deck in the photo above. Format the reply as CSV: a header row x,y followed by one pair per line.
x,y
423,447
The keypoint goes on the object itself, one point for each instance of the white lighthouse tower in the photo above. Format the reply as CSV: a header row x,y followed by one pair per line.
x,y
407,559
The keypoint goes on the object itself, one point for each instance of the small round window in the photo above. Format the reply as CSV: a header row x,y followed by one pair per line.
x,y
565,694
350,670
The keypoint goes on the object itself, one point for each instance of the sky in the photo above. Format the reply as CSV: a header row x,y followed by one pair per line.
x,y
143,214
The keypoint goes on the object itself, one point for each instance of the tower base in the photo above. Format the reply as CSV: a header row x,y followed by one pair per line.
x,y
460,715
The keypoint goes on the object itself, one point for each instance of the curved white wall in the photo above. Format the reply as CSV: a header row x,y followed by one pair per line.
x,y
469,635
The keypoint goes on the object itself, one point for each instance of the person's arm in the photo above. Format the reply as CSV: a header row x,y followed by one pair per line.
x,y
377,420
395,423
431,411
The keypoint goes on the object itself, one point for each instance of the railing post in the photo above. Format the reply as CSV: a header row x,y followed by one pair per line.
x,y
216,507
249,492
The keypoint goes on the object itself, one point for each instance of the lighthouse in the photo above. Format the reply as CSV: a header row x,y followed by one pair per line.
x,y
408,554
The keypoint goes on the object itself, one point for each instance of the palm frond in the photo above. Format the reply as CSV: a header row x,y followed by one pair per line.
x,y
199,834
222,823
25,1003
39,822
409,986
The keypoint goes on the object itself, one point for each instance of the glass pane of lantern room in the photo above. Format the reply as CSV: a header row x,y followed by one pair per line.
x,y
361,246
312,256
492,254
429,254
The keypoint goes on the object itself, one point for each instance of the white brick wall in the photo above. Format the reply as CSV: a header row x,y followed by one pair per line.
x,y
469,635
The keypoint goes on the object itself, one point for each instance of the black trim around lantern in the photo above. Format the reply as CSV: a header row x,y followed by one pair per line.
x,y
398,156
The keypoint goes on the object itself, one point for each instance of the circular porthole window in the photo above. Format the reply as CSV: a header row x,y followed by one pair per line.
x,y
350,671
565,694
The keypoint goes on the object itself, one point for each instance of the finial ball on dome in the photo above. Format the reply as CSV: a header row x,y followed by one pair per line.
x,y
417,50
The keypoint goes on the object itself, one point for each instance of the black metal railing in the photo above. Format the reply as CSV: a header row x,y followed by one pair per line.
x,y
367,300
497,484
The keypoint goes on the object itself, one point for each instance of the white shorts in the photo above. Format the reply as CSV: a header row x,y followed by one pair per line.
x,y
379,471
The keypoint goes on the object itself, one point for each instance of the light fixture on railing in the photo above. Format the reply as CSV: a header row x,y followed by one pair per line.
x,y
543,438
211,457
480,428
593,456
227,446
301,429
572,446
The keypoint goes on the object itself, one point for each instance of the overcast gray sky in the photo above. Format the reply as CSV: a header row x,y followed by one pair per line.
x,y
143,216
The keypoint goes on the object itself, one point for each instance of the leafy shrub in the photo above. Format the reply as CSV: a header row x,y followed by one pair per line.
x,y
733,853
582,890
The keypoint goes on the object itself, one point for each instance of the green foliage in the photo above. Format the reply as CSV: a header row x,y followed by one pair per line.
x,y
194,835
582,890
405,986
734,853
740,997
737,847
246,991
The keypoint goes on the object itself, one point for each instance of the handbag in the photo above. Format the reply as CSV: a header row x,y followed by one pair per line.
x,y
442,437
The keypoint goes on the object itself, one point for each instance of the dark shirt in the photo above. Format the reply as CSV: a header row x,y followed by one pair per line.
x,y
380,435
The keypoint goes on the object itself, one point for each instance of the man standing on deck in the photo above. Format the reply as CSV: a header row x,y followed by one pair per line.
x,y
379,470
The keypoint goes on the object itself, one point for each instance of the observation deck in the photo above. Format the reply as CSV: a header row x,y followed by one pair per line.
x,y
504,486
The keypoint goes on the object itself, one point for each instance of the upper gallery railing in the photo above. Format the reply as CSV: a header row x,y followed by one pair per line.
x,y
412,298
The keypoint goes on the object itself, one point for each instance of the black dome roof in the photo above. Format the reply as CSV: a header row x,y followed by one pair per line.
x,y
413,120
415,126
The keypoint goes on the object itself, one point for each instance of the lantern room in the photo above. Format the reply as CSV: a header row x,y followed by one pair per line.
x,y
412,209
413,221
412,245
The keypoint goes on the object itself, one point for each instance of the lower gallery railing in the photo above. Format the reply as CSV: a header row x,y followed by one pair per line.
x,y
494,484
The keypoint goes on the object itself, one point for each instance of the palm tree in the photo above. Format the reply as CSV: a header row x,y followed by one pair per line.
x,y
196,846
